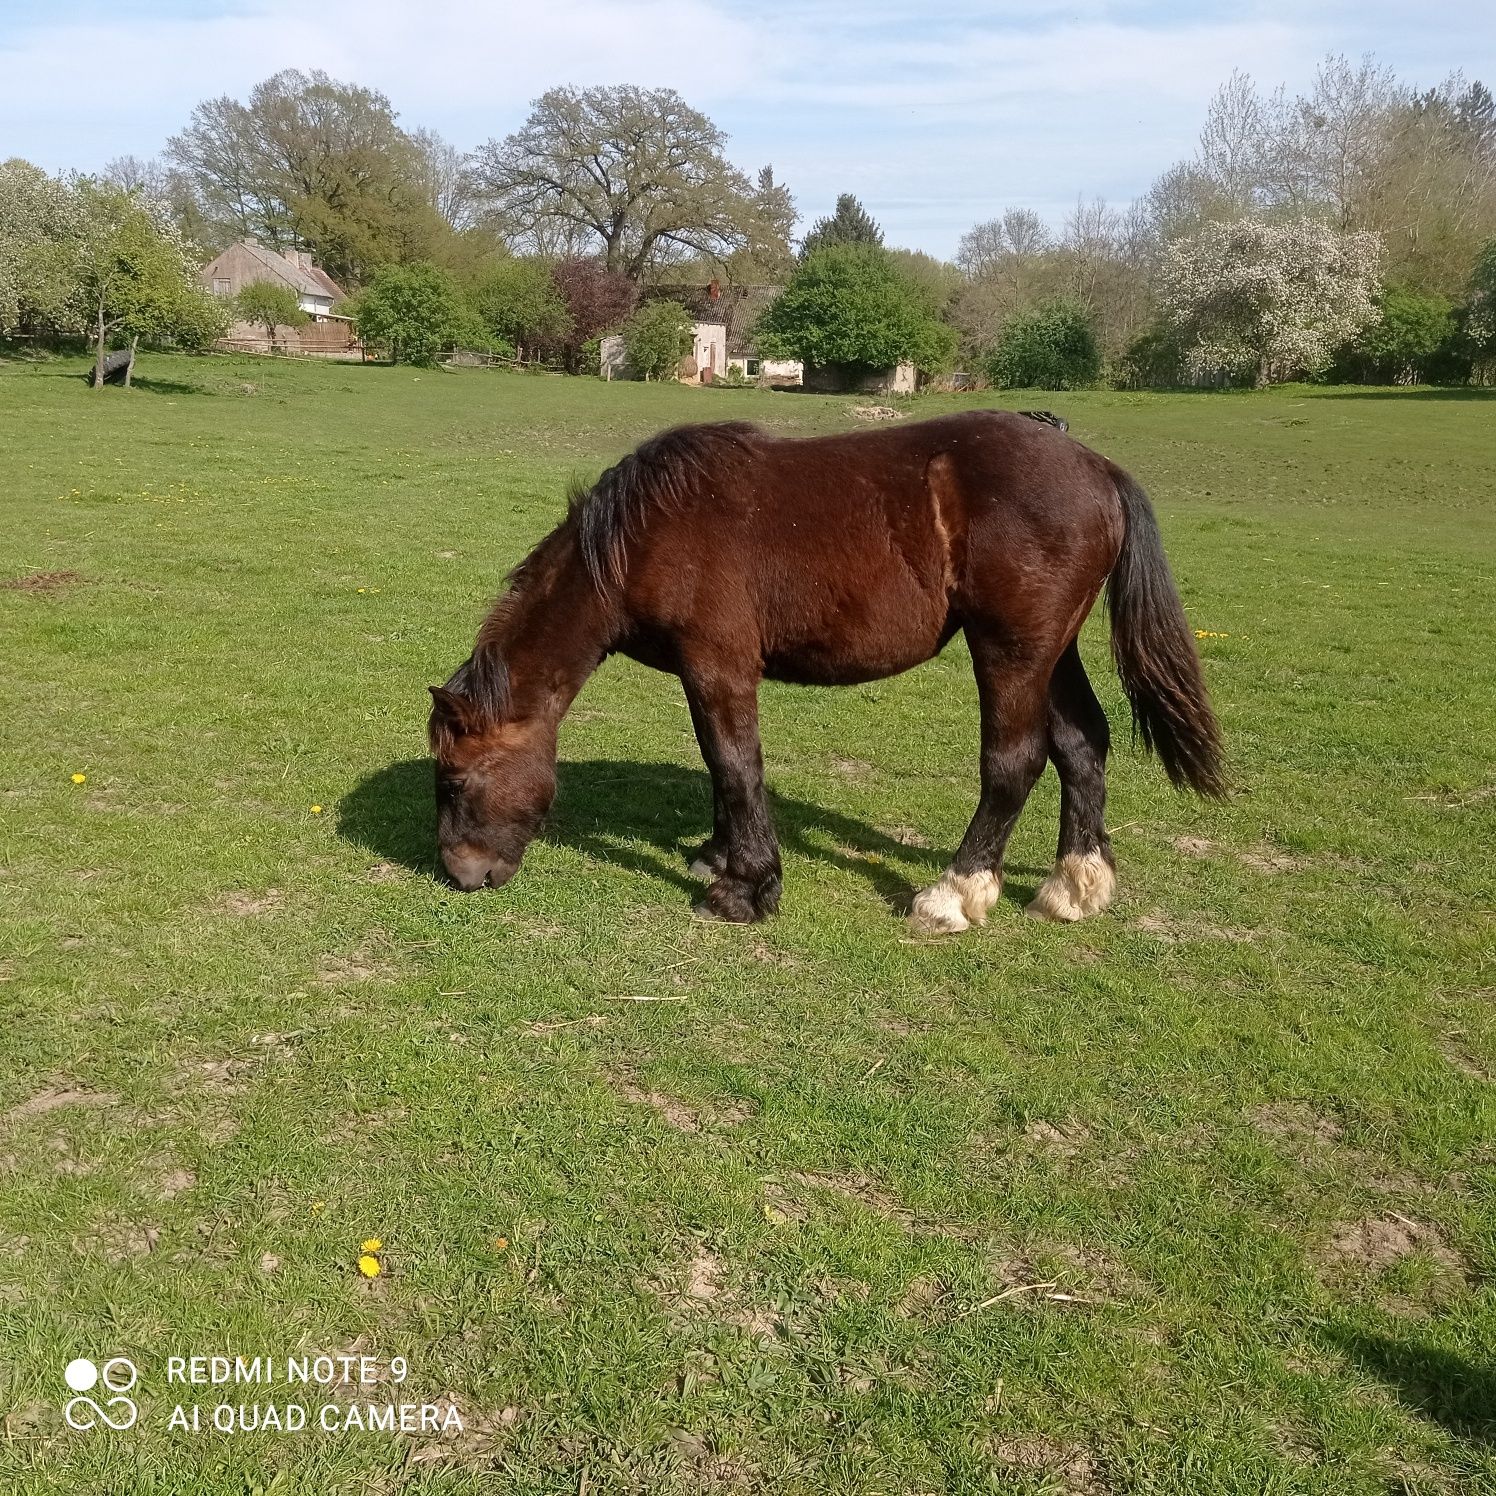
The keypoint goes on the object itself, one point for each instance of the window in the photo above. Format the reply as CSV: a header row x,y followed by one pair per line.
x,y
221,285
750,368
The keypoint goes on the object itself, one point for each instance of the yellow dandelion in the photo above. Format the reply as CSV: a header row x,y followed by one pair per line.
x,y
316,810
369,1266
1210,634
318,1206
501,1243
372,1245
80,778
363,589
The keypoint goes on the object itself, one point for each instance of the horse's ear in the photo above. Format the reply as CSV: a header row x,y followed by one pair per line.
x,y
451,715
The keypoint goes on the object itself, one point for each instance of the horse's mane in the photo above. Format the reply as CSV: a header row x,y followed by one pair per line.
x,y
659,474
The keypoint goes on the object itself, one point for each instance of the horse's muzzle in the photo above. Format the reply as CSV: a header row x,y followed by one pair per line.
x,y
470,873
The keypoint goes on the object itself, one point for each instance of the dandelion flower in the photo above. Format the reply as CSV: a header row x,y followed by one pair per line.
x,y
369,1266
316,810
501,1243
318,1206
79,778
372,1245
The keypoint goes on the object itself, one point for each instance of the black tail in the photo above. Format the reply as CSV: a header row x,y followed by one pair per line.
x,y
1154,650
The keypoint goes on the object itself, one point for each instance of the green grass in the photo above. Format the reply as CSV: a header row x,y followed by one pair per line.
x,y
784,1229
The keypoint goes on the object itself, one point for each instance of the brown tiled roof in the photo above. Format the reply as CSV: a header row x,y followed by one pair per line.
x,y
306,281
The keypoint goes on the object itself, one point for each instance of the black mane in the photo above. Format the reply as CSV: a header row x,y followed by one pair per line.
x,y
659,474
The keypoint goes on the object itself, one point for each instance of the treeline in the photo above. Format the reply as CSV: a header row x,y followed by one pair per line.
x,y
1348,233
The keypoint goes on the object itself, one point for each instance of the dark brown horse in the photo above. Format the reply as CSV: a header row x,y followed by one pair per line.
x,y
724,555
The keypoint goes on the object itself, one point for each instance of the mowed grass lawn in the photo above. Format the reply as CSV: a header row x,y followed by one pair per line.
x,y
1195,1197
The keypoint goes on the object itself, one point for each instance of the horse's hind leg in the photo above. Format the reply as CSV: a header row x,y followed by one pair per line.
x,y
1013,693
1084,877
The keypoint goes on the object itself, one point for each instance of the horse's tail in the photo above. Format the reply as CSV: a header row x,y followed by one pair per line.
x,y
1154,650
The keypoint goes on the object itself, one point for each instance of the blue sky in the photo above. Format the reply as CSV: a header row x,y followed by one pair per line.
x,y
936,115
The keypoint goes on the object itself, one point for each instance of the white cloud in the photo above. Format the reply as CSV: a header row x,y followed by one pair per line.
x,y
935,115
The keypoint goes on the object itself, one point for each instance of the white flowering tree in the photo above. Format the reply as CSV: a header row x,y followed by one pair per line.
x,y
37,212
86,257
1272,299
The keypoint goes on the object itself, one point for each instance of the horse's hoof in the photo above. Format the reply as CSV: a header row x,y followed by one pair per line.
x,y
956,903
1081,884
740,902
706,863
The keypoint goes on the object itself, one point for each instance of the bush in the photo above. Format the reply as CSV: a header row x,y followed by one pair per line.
x,y
517,301
1412,337
850,306
1153,360
415,311
1052,347
656,338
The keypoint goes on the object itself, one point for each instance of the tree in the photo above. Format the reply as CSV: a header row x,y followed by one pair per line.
x,y
269,305
849,306
1052,347
1270,299
849,224
414,311
635,173
518,301
309,161
133,275
39,215
656,337
990,248
1412,330
597,301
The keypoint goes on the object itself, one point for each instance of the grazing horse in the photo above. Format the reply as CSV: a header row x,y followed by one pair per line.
x,y
725,555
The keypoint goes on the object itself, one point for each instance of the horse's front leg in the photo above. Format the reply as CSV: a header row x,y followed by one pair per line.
x,y
746,861
709,860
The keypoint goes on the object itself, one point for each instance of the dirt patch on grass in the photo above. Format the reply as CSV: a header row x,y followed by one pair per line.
x,y
52,1098
241,902
876,413
41,581
1295,1121
346,971
1193,846
1070,1467
905,836
1267,860
853,768
120,1241
176,1182
1065,1139
1372,1245
680,1114
1176,932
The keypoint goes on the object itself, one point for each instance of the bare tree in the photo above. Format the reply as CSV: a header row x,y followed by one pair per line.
x,y
635,173
445,175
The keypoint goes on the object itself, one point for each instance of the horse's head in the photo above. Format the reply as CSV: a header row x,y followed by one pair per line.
x,y
495,780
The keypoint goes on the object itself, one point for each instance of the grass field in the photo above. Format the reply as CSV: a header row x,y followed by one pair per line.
x,y
1196,1197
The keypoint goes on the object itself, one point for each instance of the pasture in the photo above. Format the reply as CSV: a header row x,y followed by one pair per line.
x,y
1194,1197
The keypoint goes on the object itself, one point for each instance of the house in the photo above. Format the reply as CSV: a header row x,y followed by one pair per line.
x,y
327,335
721,335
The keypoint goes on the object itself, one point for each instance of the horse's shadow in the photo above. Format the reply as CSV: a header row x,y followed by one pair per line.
x,y
642,816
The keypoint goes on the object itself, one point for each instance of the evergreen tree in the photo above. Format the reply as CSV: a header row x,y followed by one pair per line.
x,y
850,224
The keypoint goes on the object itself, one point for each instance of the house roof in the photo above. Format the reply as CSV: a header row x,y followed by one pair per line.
x,y
304,279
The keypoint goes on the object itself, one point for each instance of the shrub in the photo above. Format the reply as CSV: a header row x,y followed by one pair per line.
x,y
1052,347
517,301
1414,330
415,311
656,337
849,306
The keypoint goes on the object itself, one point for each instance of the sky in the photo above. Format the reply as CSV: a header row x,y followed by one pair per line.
x,y
936,115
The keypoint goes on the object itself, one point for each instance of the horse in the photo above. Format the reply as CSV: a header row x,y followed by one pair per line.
x,y
725,555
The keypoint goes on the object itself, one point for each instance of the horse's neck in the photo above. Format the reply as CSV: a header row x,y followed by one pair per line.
x,y
552,631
